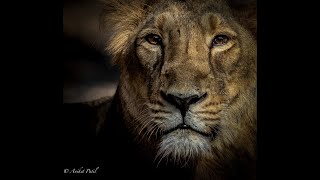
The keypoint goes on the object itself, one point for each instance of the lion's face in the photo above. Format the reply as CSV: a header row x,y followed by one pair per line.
x,y
186,73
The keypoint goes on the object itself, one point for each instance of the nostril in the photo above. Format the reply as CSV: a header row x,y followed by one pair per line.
x,y
195,98
174,100
192,99
170,98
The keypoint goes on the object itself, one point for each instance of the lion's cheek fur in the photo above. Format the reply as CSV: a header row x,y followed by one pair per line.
x,y
133,92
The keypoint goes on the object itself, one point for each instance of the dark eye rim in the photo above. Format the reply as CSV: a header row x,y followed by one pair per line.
x,y
158,43
213,44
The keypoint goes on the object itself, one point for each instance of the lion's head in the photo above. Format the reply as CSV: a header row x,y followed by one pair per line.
x,y
188,76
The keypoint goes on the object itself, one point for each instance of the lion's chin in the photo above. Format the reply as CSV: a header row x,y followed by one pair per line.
x,y
183,145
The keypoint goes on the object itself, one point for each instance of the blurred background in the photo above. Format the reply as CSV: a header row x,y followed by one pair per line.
x,y
88,73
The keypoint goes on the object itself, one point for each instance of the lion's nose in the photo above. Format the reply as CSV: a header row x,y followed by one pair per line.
x,y
181,101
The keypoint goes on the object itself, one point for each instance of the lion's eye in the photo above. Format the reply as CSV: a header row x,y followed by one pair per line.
x,y
153,39
220,40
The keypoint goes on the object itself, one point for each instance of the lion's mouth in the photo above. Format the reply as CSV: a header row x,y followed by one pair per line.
x,y
186,127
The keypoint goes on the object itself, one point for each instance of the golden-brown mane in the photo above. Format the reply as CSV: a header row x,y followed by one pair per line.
x,y
187,90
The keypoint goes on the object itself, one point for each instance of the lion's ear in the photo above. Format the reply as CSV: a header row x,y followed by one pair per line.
x,y
119,21
246,12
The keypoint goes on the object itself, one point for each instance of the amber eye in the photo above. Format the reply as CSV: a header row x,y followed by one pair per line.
x,y
153,39
220,40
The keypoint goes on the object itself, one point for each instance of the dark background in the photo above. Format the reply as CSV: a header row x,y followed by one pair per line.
x,y
285,146
87,71
87,75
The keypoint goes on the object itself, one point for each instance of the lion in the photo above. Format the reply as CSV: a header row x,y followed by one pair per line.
x,y
187,88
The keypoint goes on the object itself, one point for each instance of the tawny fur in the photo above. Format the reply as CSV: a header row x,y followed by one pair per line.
x,y
186,63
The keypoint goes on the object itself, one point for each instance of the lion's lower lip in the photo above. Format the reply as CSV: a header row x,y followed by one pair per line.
x,y
184,126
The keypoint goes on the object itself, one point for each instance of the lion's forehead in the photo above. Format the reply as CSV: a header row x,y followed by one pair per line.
x,y
186,19
185,13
